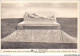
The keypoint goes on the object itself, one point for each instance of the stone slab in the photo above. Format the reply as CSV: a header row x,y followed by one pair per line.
x,y
46,36
38,25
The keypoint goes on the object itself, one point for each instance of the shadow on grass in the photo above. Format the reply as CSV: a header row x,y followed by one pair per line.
x,y
37,45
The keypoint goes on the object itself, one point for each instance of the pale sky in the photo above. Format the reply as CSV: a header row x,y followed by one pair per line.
x,y
17,10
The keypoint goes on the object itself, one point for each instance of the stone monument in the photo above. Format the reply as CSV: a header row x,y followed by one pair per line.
x,y
34,20
35,28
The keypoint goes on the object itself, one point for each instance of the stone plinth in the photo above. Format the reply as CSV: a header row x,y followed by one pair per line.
x,y
39,35
38,25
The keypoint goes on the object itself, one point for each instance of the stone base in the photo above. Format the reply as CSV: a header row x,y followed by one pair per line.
x,y
38,25
46,32
45,36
